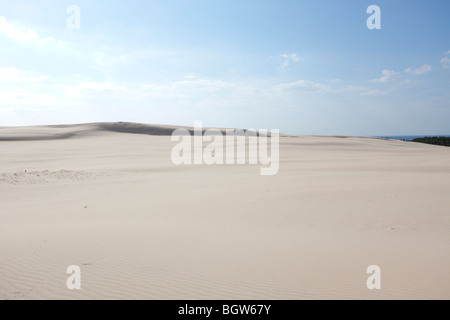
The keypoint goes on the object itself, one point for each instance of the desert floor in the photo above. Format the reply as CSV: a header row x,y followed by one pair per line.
x,y
139,227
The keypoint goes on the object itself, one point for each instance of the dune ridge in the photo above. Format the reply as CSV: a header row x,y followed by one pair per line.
x,y
59,132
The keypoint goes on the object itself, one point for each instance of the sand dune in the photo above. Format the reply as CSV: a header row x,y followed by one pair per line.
x,y
107,197
57,132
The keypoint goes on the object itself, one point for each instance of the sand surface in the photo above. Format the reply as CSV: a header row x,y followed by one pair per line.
x,y
108,198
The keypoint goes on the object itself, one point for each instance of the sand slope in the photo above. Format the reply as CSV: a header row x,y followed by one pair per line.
x,y
107,197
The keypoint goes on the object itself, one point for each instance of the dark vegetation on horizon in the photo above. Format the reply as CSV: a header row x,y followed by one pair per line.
x,y
440,141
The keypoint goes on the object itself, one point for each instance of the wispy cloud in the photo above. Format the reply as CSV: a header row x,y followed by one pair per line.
x,y
289,58
90,89
22,34
370,93
445,61
16,33
388,75
362,91
191,86
302,85
421,70
13,75
355,88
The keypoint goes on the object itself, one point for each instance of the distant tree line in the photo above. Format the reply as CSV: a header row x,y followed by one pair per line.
x,y
440,141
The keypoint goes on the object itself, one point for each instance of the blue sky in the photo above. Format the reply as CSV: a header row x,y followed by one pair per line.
x,y
305,67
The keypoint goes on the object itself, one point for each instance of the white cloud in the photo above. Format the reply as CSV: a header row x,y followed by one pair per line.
x,y
187,87
16,97
388,75
445,61
10,75
15,33
107,61
38,79
288,58
376,92
406,82
13,75
26,35
372,93
421,70
92,89
101,86
355,88
191,76
204,84
302,85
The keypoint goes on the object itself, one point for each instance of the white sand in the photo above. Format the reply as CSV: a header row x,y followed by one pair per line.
x,y
140,227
